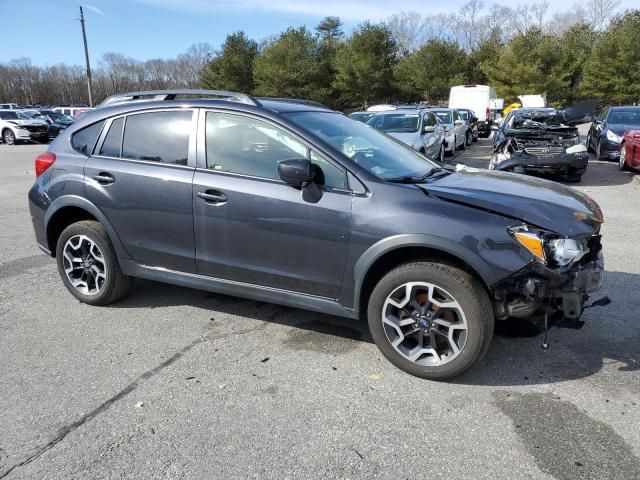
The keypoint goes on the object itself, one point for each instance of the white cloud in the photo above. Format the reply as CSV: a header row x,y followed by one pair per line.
x,y
357,10
95,9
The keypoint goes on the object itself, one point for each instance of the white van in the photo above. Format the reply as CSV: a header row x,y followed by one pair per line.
x,y
477,98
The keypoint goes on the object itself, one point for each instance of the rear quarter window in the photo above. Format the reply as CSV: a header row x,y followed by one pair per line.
x,y
84,140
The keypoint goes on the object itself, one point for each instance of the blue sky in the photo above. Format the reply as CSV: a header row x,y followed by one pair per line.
x,y
48,32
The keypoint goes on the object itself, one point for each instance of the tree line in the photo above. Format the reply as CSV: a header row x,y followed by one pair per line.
x,y
588,51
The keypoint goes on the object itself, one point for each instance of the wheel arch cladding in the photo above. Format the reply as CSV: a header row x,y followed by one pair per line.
x,y
65,211
387,254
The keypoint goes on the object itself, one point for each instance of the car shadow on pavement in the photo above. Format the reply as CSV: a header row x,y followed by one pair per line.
x,y
611,334
603,174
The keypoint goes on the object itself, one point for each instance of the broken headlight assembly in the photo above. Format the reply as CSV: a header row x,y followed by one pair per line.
x,y
547,247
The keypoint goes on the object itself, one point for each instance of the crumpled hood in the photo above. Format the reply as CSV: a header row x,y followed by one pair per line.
x,y
407,138
538,202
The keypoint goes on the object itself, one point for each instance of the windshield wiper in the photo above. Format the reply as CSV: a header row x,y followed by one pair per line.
x,y
435,172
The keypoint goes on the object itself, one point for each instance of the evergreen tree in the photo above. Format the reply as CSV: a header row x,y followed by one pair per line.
x,y
232,68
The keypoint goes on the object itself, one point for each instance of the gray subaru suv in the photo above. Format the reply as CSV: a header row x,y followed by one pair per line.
x,y
299,205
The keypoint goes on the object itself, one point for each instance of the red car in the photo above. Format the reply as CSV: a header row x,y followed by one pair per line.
x,y
630,150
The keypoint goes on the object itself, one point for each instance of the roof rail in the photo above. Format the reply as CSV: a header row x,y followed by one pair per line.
x,y
154,95
311,103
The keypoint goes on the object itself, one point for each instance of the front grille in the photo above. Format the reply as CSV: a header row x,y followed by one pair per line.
x,y
544,151
35,128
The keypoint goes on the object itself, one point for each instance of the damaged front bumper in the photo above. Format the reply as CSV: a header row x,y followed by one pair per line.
x,y
538,290
564,164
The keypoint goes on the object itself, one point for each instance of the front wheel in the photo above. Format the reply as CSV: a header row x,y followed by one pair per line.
x,y
88,264
431,320
441,154
8,137
469,138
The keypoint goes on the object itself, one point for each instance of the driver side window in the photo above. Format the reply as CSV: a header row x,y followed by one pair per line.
x,y
245,145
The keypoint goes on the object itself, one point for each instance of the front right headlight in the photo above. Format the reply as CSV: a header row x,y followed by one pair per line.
x,y
566,250
547,247
614,137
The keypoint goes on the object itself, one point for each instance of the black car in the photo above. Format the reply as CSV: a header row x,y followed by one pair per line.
x,y
57,121
470,117
302,206
543,141
607,131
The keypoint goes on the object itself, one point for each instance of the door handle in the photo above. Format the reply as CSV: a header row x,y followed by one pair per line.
x,y
212,196
104,178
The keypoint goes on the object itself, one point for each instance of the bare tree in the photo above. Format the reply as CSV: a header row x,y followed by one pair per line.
x,y
407,29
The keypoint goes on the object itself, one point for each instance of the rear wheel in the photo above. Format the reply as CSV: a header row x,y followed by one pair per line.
x,y
8,137
574,178
431,320
469,138
622,163
88,264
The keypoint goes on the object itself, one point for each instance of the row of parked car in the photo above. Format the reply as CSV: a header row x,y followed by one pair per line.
x,y
40,124
434,132
536,141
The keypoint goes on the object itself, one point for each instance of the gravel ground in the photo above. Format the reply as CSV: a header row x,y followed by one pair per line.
x,y
178,383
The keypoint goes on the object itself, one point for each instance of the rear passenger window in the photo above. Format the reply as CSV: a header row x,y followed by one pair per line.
x,y
84,140
158,137
113,142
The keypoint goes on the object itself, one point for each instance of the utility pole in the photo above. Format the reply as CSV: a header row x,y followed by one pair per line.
x,y
86,55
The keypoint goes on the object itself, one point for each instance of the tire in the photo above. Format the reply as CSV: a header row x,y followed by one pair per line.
x,y
8,137
463,289
599,155
622,162
441,154
87,236
588,143
453,148
469,138
475,135
574,178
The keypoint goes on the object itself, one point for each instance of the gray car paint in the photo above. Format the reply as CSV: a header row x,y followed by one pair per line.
x,y
320,253
427,142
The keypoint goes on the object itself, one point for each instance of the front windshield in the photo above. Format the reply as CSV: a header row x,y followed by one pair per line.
x,y
374,151
443,116
463,114
396,122
625,117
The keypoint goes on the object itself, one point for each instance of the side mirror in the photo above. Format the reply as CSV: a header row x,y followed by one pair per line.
x,y
429,129
458,122
494,127
295,172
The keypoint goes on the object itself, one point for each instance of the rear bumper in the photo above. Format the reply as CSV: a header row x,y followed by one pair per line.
x,y
484,127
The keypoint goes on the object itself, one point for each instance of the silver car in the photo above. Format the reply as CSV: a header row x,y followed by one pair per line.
x,y
419,129
457,133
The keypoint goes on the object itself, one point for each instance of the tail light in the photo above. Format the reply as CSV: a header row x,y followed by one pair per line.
x,y
43,162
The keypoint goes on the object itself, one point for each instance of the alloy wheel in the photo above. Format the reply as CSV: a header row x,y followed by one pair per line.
x,y
623,158
441,153
84,265
424,323
9,137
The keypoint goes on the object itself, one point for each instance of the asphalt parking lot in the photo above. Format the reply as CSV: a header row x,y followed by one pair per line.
x,y
178,383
